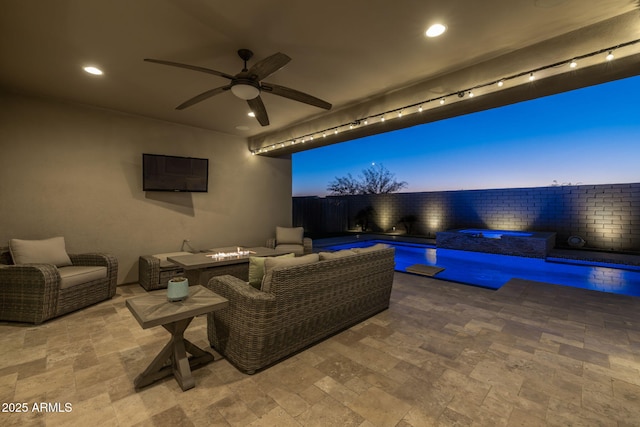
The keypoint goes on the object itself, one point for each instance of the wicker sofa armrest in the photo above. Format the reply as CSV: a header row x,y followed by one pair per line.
x,y
240,293
271,243
28,293
100,260
237,330
308,245
149,272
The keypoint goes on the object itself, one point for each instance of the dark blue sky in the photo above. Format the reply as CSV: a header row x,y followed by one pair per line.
x,y
587,136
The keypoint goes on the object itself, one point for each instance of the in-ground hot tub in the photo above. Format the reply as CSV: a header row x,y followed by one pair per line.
x,y
534,244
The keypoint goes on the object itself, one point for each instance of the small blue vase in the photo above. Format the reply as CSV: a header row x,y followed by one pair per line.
x,y
177,289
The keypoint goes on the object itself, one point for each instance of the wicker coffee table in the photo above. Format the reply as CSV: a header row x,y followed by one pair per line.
x,y
154,309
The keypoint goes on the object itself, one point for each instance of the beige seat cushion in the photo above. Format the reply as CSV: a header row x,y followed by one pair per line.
x,y
295,248
163,258
289,235
77,275
46,251
256,268
272,263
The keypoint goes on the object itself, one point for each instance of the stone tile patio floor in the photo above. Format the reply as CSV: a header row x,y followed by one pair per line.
x,y
443,354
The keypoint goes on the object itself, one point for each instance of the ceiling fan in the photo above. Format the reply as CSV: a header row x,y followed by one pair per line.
x,y
248,84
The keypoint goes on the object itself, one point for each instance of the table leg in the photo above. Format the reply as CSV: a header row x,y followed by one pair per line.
x,y
173,359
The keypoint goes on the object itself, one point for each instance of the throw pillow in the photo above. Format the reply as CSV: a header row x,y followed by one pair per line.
x,y
256,268
272,263
285,235
336,255
47,251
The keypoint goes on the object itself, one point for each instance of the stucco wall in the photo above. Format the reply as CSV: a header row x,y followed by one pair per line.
x,y
606,216
73,171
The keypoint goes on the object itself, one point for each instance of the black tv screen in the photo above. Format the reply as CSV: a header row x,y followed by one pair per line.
x,y
172,173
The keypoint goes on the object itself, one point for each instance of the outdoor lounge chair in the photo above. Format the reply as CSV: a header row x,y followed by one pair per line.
x,y
292,240
40,281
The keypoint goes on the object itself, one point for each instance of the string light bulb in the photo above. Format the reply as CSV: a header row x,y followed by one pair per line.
x,y
610,55
420,109
441,101
532,77
573,64
471,95
501,83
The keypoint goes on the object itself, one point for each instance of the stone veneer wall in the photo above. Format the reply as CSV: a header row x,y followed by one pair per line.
x,y
607,216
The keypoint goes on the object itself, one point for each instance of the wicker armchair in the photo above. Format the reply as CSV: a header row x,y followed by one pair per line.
x,y
291,239
32,292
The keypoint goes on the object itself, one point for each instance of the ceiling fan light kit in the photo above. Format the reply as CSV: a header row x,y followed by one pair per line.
x,y
247,84
245,91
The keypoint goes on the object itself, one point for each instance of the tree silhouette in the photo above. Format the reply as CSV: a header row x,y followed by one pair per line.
x,y
373,180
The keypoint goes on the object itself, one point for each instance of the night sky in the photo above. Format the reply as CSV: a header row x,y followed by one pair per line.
x,y
587,136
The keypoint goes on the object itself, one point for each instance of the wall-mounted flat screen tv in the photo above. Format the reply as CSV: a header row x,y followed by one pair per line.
x,y
172,173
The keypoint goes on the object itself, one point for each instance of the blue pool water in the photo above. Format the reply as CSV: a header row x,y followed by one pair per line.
x,y
492,271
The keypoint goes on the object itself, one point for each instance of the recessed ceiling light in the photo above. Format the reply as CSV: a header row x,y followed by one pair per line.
x,y
251,114
93,70
436,30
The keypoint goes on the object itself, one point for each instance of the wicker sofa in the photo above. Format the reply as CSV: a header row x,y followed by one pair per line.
x,y
33,293
154,271
304,305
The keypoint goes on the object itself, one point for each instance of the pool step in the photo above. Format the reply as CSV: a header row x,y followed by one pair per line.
x,y
424,270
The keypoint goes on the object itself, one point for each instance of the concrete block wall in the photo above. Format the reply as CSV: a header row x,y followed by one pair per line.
x,y
607,216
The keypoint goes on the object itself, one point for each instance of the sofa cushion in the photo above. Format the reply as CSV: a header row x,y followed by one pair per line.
x,y
46,251
272,263
77,275
256,268
287,235
163,258
375,247
335,255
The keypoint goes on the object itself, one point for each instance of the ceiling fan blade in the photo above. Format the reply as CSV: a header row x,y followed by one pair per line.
x,y
191,67
269,65
202,97
258,109
296,95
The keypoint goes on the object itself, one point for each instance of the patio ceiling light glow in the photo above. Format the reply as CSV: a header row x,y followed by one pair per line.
x,y
457,96
436,30
93,70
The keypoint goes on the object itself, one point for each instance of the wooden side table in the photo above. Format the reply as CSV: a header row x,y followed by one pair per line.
x,y
154,309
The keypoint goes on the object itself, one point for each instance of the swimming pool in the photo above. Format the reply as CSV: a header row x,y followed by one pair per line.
x,y
492,270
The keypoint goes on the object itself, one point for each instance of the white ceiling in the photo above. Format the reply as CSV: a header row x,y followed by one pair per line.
x,y
346,52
